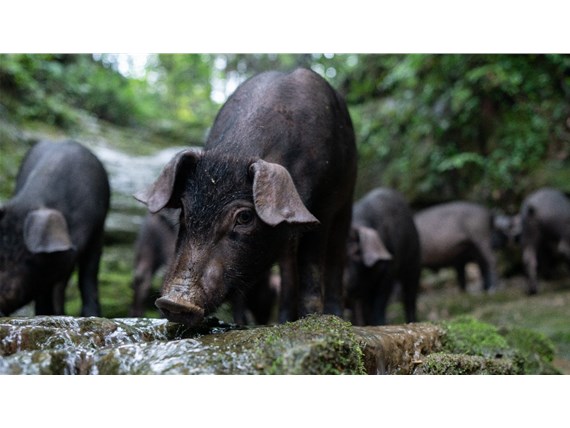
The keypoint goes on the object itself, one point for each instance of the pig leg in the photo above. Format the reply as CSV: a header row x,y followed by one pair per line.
x,y
460,270
288,294
380,301
260,299
358,308
88,273
142,284
238,308
311,259
59,297
44,301
51,301
487,266
530,263
410,284
335,262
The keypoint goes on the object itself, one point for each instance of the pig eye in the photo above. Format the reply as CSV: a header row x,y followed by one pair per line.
x,y
244,217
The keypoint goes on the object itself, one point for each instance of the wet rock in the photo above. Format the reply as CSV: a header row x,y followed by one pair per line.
x,y
67,345
322,344
398,349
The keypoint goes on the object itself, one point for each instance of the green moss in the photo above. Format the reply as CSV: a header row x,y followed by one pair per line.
x,y
466,335
317,344
499,351
534,349
460,364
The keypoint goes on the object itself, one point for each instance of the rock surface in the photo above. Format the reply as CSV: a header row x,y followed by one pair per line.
x,y
322,344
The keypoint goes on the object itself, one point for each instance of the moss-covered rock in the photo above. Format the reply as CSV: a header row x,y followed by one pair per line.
x,y
470,346
534,349
68,345
466,335
314,345
317,344
440,363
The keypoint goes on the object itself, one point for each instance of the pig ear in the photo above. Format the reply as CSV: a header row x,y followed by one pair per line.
x,y
162,193
275,196
45,231
371,246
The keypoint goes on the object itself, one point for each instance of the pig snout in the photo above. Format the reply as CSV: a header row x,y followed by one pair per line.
x,y
185,301
185,313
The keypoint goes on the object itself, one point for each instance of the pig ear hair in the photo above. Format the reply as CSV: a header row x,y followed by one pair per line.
x,y
275,196
45,231
162,192
371,246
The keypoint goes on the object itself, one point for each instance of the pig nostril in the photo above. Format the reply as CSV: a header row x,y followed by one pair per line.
x,y
167,305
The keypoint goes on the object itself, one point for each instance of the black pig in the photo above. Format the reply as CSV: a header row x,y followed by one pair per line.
x,y
383,249
275,182
545,219
455,233
53,222
154,249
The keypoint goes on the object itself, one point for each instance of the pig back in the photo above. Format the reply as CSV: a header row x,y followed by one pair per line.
x,y
448,230
388,212
65,176
298,121
550,206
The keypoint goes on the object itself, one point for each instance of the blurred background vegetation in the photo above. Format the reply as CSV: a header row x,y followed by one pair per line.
x,y
489,128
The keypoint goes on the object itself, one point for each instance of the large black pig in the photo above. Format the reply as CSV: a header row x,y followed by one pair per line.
x,y
383,249
275,182
455,233
545,220
53,222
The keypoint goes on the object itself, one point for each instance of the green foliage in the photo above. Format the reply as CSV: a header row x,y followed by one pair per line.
x,y
442,127
46,87
438,127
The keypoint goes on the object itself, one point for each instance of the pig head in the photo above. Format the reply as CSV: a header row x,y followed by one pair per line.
x,y
30,242
236,217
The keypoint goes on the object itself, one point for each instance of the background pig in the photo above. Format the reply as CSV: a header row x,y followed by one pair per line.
x,y
383,249
275,182
154,249
454,234
545,219
53,222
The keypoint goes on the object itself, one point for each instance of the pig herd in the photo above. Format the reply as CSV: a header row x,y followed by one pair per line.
x,y
274,186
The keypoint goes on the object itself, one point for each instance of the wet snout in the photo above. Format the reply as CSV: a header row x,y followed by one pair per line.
x,y
185,313
194,284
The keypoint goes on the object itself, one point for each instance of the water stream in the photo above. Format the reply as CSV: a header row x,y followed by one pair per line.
x,y
316,345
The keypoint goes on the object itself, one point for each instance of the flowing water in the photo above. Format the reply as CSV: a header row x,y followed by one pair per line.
x,y
317,345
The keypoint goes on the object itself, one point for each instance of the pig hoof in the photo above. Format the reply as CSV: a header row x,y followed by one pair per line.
x,y
186,313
